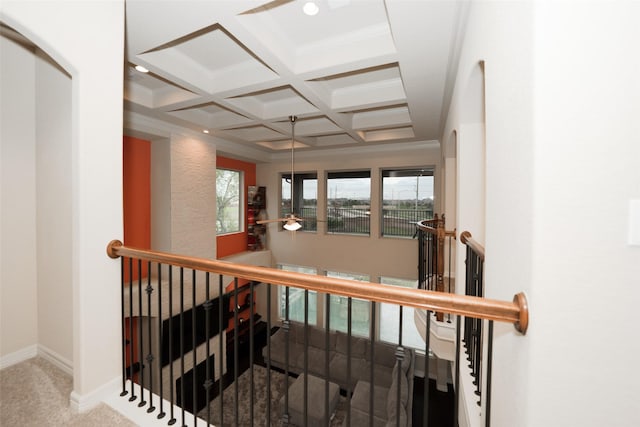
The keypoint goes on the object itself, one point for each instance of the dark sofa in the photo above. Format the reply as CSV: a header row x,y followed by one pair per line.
x,y
385,370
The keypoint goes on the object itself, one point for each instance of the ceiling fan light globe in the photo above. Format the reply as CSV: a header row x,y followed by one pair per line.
x,y
292,226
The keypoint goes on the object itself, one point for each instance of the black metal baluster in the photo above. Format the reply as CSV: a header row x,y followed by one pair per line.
x,y
194,393
399,361
487,400
285,326
477,281
457,378
160,341
349,361
327,336
123,330
131,343
172,419
182,394
449,279
372,340
268,418
427,360
473,323
208,382
420,256
251,350
150,357
222,309
478,361
235,350
429,261
305,393
140,336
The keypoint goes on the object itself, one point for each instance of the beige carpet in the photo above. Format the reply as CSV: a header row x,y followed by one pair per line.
x,y
36,393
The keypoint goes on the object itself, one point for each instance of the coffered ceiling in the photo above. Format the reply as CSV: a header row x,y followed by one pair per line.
x,y
358,73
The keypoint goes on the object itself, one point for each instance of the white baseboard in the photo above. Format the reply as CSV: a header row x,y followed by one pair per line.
x,y
82,403
19,356
55,359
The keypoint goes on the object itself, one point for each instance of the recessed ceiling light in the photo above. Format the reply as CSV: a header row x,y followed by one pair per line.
x,y
310,8
141,69
205,131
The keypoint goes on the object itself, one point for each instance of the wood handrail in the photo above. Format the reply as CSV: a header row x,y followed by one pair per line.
x,y
422,225
515,312
465,238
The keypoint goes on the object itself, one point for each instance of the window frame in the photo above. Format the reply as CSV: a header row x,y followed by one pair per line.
x,y
346,174
410,216
310,225
349,276
242,206
312,294
409,328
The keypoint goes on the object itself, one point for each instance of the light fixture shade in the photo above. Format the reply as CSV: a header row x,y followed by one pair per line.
x,y
310,8
292,225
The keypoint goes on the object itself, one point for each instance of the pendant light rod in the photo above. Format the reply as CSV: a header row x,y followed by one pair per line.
x,y
292,119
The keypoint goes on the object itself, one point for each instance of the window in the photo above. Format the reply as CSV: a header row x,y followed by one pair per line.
x,y
407,197
296,298
305,194
349,202
389,320
339,309
229,214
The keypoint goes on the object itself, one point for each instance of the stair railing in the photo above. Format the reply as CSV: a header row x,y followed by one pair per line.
x,y
432,262
201,311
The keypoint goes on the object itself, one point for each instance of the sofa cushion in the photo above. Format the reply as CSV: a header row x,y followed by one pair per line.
x,y
381,375
358,345
315,360
360,369
318,337
384,354
296,332
294,350
361,396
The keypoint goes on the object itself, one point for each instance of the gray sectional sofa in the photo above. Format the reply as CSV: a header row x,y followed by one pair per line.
x,y
385,370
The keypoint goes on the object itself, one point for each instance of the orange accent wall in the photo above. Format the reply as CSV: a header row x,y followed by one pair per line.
x,y
136,182
235,243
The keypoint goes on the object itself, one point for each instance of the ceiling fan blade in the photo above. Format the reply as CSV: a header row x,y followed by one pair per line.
x,y
267,221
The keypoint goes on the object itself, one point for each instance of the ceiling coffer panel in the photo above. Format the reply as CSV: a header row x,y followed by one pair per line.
x,y
210,60
362,89
153,91
274,104
211,116
358,73
341,32
254,133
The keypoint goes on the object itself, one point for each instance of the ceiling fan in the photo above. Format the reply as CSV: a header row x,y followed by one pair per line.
x,y
292,222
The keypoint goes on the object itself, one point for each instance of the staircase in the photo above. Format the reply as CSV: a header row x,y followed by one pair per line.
x,y
442,334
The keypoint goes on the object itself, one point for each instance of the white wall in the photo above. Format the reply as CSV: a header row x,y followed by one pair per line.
x,y
372,255
500,34
86,39
53,166
586,279
562,147
18,288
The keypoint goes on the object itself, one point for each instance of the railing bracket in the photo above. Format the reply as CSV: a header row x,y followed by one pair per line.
x,y
520,299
